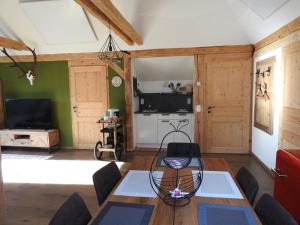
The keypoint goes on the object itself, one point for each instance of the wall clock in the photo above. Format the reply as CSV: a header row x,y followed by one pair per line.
x,y
116,81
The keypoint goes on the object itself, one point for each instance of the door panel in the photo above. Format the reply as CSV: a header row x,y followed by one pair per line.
x,y
146,128
228,98
89,100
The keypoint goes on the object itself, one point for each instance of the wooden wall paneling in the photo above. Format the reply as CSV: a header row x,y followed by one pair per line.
x,y
264,95
128,103
290,122
284,31
291,126
91,8
228,99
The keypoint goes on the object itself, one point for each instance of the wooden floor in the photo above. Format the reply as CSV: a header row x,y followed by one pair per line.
x,y
35,204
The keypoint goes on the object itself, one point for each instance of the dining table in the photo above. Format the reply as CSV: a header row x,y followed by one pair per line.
x,y
162,213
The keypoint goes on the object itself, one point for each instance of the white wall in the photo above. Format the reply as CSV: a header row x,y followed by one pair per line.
x,y
264,146
160,86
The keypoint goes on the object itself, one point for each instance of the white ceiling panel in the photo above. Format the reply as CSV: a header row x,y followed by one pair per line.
x,y
59,21
164,68
264,8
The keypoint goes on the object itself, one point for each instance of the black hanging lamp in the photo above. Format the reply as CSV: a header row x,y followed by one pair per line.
x,y
110,50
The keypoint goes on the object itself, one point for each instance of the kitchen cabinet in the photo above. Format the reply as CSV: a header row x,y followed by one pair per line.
x,y
163,127
151,128
146,128
186,122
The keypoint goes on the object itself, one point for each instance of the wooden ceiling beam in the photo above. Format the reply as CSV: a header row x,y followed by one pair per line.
x,y
113,14
168,52
92,9
117,69
12,44
284,31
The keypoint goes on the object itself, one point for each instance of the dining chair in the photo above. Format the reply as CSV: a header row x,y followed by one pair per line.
x,y
248,183
183,149
73,212
105,180
271,212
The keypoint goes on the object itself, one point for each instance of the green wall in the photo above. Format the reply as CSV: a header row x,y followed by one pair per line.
x,y
116,94
52,82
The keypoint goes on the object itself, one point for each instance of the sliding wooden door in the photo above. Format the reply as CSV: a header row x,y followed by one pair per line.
x,y
89,100
227,103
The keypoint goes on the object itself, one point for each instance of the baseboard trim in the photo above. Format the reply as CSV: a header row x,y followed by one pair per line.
x,y
267,169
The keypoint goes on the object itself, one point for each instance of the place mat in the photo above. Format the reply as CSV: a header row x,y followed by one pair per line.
x,y
26,157
118,213
220,214
218,184
136,183
195,162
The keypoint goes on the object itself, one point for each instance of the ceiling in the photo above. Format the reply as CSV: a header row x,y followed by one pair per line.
x,y
161,23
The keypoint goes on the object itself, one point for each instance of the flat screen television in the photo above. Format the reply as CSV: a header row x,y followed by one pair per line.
x,y
28,114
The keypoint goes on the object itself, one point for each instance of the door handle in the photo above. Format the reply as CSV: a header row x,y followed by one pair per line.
x,y
75,108
277,173
211,107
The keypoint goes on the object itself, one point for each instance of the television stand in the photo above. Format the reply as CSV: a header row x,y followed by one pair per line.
x,y
30,138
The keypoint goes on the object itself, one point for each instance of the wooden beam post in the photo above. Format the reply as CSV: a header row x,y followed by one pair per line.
x,y
113,14
2,203
117,69
92,9
198,93
128,103
12,44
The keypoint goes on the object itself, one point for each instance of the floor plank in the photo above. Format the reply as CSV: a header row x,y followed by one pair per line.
x,y
35,204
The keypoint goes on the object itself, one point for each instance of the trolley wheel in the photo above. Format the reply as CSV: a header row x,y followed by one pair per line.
x,y
97,150
118,151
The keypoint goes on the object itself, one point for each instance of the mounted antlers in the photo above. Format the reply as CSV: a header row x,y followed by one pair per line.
x,y
29,74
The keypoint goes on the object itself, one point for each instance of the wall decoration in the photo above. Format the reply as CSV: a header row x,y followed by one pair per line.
x,y
263,111
29,73
116,81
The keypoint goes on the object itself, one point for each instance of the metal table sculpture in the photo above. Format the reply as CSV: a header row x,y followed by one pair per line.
x,y
177,186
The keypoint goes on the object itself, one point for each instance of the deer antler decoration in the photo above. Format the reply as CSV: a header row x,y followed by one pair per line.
x,y
29,74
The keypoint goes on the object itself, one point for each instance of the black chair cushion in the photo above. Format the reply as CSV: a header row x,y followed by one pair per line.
x,y
73,212
248,183
178,149
105,180
270,212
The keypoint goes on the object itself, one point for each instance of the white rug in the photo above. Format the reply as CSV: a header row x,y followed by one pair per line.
x,y
18,156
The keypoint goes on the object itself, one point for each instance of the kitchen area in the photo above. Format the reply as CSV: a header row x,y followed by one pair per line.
x,y
162,100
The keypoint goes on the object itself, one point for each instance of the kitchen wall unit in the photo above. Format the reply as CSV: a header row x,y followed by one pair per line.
x,y
152,127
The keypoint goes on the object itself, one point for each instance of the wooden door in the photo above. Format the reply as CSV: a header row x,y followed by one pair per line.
x,y
227,108
290,127
89,100
2,203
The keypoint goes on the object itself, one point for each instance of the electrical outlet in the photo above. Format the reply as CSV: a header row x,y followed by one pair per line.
x,y
198,108
198,84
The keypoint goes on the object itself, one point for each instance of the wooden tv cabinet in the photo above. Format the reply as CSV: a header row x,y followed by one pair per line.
x,y
29,138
